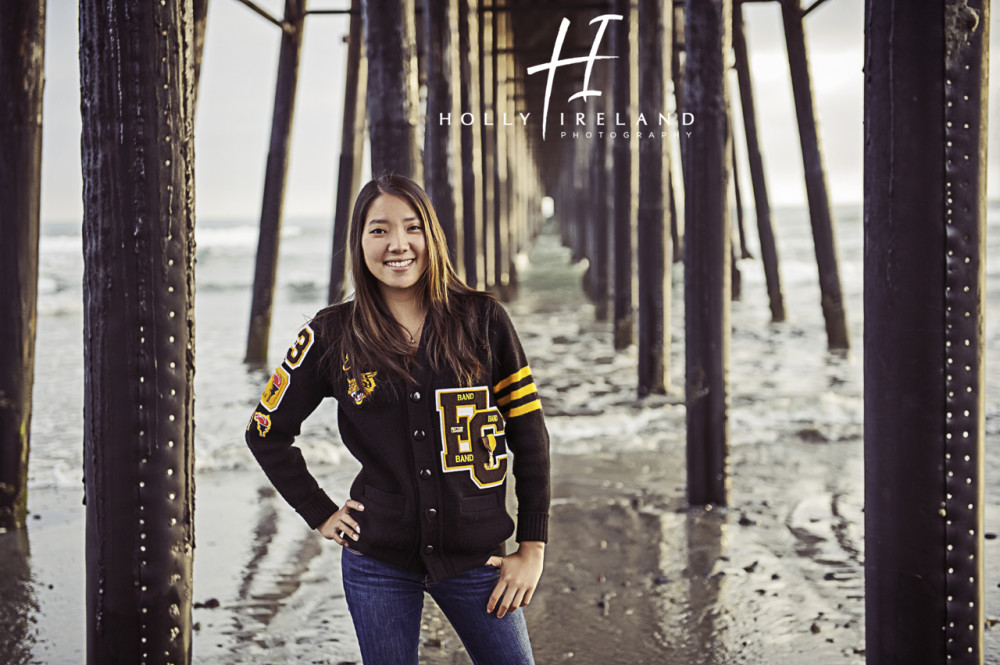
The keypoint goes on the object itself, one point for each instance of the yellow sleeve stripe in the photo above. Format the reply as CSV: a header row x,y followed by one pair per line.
x,y
517,394
533,405
513,378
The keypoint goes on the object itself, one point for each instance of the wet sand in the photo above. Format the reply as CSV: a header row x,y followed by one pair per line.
x,y
632,576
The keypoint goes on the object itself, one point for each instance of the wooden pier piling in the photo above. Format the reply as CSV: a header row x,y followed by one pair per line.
x,y
925,252
707,255
487,108
765,230
654,256
623,221
269,238
501,200
472,144
351,152
22,81
442,134
391,47
137,90
815,174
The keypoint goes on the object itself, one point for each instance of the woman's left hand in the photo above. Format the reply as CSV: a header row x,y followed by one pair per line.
x,y
519,574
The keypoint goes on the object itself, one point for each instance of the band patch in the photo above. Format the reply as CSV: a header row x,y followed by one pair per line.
x,y
275,389
297,352
472,435
263,422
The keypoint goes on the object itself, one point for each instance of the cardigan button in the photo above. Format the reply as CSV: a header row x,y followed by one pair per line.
x,y
419,434
425,473
432,513
415,396
429,550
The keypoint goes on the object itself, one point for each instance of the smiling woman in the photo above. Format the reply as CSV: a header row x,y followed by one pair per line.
x,y
434,391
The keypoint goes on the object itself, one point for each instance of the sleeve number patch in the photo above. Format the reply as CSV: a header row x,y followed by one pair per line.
x,y
297,353
472,435
275,389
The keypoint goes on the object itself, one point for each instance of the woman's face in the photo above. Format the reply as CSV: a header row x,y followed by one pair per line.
x,y
394,244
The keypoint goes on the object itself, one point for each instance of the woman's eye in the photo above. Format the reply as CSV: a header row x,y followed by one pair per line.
x,y
416,227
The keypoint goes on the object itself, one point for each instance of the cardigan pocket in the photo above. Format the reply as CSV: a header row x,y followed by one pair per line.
x,y
384,525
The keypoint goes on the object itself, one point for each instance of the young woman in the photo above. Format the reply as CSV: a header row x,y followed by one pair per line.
x,y
437,402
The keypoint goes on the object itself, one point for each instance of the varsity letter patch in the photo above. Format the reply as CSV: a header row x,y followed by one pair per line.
x,y
297,353
472,435
275,389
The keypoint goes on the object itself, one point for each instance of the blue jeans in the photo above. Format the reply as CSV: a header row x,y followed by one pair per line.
x,y
386,603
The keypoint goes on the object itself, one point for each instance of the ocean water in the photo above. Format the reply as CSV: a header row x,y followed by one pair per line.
x,y
796,416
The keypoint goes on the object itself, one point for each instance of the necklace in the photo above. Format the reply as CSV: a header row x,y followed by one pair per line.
x,y
413,339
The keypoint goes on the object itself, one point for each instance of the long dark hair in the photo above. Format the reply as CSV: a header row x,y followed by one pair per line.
x,y
371,338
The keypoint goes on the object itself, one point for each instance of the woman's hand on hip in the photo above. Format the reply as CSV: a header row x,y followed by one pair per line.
x,y
519,574
341,527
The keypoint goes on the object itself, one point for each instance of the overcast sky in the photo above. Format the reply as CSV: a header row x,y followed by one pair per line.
x,y
235,101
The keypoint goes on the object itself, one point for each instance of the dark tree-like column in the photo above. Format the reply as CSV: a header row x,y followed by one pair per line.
x,y
925,257
352,143
820,216
137,91
654,255
391,46
472,145
707,254
22,78
442,149
266,269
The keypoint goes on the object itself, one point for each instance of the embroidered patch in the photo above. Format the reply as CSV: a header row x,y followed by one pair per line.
x,y
367,384
263,423
472,435
275,389
297,352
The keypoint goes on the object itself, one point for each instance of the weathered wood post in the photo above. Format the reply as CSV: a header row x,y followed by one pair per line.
x,y
137,94
677,74
623,221
816,190
925,253
654,255
577,189
501,200
352,145
744,253
599,245
765,231
391,47
200,21
266,270
22,81
487,89
472,144
442,135
514,216
738,249
707,256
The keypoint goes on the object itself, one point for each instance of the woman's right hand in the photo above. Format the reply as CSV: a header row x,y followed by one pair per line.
x,y
341,527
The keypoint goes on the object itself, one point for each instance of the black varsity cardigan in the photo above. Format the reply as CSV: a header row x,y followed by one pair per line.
x,y
434,456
